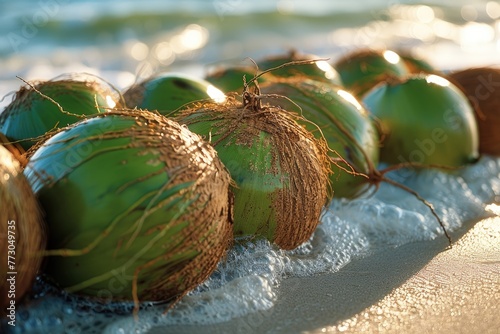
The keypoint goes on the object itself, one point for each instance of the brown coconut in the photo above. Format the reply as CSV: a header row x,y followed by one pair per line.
x,y
22,234
481,85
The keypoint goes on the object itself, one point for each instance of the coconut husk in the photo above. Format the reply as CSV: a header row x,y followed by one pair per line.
x,y
15,149
22,233
481,85
350,134
289,214
172,252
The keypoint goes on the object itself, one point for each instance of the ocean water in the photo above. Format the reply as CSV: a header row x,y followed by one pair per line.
x,y
125,41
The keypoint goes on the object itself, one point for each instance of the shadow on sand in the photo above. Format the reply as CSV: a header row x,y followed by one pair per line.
x,y
312,303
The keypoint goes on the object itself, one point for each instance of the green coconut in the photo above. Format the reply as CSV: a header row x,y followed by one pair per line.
x,y
416,65
363,69
22,234
351,133
280,170
335,115
137,206
318,69
34,110
425,120
168,92
230,79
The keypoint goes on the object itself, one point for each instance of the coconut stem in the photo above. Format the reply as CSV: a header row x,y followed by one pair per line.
x,y
253,99
417,165
377,177
290,63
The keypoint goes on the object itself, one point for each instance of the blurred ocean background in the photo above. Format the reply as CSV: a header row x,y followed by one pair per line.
x,y
124,41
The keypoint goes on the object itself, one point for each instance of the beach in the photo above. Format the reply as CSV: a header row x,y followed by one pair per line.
x,y
416,288
379,263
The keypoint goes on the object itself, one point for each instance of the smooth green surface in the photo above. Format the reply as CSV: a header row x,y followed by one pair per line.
x,y
320,70
34,115
92,182
341,120
231,79
417,65
427,120
361,72
251,167
168,93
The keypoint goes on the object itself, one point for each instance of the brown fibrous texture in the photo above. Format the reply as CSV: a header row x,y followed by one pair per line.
x,y
205,230
296,155
209,233
22,233
17,151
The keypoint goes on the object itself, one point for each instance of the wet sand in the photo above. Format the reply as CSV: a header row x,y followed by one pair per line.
x,y
416,288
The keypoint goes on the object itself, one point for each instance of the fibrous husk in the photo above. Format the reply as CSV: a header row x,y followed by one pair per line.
x,y
34,110
22,233
17,151
481,85
281,171
332,114
335,115
131,197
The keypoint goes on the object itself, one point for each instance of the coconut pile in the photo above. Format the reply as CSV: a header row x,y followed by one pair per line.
x,y
137,196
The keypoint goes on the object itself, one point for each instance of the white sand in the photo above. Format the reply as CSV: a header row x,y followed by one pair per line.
x,y
416,288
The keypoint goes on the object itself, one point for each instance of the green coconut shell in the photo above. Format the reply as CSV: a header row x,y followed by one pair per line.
x,y
481,85
335,115
170,91
22,233
361,70
137,206
230,79
31,115
319,70
417,65
280,170
425,120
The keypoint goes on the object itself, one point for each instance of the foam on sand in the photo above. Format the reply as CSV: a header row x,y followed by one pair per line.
x,y
249,279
